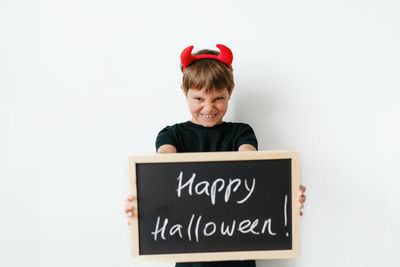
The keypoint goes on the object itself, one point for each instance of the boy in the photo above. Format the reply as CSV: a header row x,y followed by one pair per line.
x,y
207,85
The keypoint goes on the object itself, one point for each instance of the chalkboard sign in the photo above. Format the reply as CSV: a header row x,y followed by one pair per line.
x,y
215,206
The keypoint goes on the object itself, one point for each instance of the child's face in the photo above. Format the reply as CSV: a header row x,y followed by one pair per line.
x,y
207,109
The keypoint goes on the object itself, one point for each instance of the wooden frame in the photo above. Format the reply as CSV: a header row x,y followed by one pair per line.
x,y
218,156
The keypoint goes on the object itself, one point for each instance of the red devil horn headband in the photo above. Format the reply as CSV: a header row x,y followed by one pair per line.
x,y
225,56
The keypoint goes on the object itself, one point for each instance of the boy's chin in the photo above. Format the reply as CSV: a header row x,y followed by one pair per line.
x,y
207,123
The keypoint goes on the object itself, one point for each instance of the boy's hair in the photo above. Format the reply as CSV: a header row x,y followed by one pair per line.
x,y
207,73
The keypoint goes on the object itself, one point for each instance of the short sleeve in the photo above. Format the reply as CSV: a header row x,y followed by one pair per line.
x,y
246,135
166,136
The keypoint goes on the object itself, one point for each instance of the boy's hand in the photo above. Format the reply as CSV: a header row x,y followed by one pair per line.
x,y
129,210
302,198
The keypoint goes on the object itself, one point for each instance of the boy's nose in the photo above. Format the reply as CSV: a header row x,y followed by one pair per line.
x,y
208,107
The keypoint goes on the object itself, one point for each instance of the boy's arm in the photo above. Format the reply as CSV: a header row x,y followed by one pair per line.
x,y
166,149
247,147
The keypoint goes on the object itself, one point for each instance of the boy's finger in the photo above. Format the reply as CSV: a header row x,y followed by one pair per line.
x,y
128,209
302,188
302,198
129,197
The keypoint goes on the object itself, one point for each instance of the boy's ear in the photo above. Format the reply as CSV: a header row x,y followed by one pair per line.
x,y
183,90
230,94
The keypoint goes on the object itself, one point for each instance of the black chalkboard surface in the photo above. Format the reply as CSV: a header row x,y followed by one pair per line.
x,y
215,206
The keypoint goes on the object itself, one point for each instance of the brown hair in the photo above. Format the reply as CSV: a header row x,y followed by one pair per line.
x,y
207,73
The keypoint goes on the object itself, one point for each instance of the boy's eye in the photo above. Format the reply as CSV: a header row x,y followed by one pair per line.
x,y
219,98
197,98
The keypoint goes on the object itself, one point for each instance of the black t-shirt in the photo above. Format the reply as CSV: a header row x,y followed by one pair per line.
x,y
190,137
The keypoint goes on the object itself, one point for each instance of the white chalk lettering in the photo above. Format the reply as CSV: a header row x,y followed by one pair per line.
x,y
188,183
162,229
243,225
248,189
190,228
197,229
268,222
226,230
205,186
214,188
177,228
254,224
228,188
211,189
213,230
209,228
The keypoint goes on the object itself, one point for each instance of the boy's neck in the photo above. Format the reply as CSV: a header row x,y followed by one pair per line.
x,y
193,122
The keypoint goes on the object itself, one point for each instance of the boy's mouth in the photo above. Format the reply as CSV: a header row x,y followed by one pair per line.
x,y
208,116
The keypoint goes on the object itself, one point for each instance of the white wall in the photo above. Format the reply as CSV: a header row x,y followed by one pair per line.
x,y
84,84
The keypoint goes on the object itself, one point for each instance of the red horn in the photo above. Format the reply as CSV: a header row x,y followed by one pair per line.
x,y
186,57
226,55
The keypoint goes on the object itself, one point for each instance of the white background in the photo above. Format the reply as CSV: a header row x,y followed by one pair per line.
x,y
84,84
